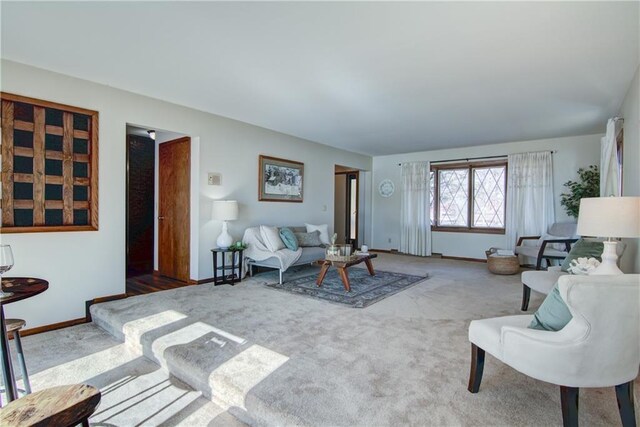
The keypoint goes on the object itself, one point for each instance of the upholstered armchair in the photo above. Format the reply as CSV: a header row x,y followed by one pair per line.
x,y
599,347
556,244
543,281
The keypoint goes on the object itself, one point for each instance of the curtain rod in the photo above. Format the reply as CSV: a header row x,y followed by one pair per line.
x,y
504,156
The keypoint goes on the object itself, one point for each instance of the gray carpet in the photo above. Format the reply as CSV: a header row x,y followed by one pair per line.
x,y
273,358
365,289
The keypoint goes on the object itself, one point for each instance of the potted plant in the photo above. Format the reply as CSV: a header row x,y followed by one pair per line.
x,y
587,186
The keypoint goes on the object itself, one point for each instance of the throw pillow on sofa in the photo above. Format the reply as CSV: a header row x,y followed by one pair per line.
x,y
306,240
583,249
271,238
289,238
323,229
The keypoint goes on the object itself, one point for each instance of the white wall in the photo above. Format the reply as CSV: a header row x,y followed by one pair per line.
x,y
83,265
572,153
630,111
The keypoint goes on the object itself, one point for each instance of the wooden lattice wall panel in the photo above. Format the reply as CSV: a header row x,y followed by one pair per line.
x,y
49,166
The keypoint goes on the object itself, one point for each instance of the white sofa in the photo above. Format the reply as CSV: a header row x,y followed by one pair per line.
x,y
308,256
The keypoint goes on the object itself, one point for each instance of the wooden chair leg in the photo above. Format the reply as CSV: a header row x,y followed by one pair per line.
x,y
569,401
624,394
477,366
526,294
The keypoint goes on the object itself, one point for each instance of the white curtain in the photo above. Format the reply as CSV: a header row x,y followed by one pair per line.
x,y
609,166
529,195
415,237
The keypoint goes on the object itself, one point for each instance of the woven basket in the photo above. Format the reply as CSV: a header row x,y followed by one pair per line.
x,y
502,264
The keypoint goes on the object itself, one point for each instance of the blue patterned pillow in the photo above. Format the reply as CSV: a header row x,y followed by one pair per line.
x,y
289,238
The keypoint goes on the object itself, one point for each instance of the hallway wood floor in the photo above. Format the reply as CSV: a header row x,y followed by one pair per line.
x,y
148,283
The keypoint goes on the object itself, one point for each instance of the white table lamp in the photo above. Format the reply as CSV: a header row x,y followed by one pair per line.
x,y
224,210
609,217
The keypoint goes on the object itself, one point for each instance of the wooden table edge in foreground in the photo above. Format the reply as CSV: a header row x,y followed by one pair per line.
x,y
67,405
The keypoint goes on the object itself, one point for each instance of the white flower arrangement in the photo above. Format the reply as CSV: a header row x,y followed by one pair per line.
x,y
583,266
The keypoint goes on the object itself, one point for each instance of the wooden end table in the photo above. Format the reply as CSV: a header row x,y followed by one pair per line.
x,y
342,268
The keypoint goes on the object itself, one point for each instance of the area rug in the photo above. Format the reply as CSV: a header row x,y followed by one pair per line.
x,y
365,289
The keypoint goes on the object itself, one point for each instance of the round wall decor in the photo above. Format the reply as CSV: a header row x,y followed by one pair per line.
x,y
386,188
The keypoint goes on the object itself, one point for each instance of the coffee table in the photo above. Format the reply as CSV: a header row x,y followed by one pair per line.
x,y
342,268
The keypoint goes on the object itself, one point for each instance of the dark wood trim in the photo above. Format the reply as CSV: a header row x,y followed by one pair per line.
x,y
470,166
569,398
38,178
526,295
384,251
476,230
461,258
477,367
624,396
53,326
203,281
47,104
99,300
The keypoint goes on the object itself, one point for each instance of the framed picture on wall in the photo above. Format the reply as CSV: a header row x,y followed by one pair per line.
x,y
280,180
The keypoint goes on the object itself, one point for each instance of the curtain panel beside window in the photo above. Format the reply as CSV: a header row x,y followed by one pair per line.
x,y
415,236
530,209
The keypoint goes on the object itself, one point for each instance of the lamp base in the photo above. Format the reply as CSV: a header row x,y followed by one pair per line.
x,y
224,239
609,265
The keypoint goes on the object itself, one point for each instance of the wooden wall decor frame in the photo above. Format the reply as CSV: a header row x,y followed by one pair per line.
x,y
49,152
267,195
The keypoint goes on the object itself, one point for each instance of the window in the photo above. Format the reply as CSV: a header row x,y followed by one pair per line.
x,y
49,166
469,197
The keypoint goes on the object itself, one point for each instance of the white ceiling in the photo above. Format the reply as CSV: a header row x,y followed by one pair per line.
x,y
376,78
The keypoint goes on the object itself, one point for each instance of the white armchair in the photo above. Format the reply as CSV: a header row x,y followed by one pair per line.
x,y
599,347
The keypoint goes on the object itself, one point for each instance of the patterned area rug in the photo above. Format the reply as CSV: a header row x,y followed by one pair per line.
x,y
365,289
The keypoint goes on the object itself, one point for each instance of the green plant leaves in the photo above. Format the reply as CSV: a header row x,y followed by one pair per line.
x,y
588,186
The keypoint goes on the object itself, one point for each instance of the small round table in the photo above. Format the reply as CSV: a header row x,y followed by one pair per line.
x,y
21,288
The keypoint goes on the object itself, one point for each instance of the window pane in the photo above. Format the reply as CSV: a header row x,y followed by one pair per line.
x,y
453,203
432,185
488,197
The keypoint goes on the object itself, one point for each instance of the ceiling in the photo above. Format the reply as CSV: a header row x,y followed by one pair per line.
x,y
371,77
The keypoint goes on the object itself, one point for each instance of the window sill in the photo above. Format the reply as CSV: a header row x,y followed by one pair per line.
x,y
468,230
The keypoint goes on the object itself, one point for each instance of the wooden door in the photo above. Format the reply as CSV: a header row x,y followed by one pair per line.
x,y
174,208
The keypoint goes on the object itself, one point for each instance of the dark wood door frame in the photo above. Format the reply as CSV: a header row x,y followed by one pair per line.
x,y
351,175
174,207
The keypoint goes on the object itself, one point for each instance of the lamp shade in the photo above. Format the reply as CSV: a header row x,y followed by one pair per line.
x,y
609,217
224,210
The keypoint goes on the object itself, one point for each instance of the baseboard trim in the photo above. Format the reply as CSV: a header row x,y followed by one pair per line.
x,y
386,251
203,281
461,258
98,300
52,327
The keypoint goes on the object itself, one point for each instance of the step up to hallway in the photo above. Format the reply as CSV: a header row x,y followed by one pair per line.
x,y
223,366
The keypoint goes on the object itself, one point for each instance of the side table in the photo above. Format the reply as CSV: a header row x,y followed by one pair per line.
x,y
227,274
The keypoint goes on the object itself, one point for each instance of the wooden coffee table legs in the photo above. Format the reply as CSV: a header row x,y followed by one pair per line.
x,y
323,272
369,266
342,271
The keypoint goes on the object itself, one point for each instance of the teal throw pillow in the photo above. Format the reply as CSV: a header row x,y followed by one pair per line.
x,y
289,238
553,314
583,249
